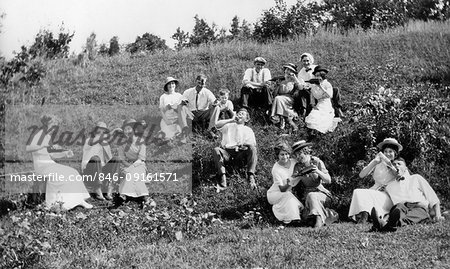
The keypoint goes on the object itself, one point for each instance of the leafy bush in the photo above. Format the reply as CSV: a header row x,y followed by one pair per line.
x,y
114,47
148,42
49,47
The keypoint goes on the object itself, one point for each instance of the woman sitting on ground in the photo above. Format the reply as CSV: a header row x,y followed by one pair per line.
x,y
285,89
66,190
98,161
174,115
311,173
321,116
383,172
285,206
132,155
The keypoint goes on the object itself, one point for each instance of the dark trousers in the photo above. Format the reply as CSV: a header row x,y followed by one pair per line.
x,y
303,103
256,97
336,102
249,156
94,168
406,214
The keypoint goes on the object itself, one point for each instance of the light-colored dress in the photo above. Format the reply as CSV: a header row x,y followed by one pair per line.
x,y
171,127
321,116
61,186
133,184
283,103
363,200
285,206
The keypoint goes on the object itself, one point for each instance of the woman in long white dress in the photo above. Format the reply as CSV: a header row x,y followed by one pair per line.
x,y
383,172
64,186
132,155
173,112
285,206
321,116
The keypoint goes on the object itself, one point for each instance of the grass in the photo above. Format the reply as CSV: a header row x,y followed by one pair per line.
x,y
236,228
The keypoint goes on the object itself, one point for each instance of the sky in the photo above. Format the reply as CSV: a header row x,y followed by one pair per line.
x,y
126,19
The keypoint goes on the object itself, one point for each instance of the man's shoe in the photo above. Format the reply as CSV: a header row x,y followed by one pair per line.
x,y
378,222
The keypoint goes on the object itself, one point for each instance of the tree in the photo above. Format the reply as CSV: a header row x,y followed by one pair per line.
x,y
202,32
48,47
182,39
235,28
272,23
114,47
91,45
148,42
240,30
103,49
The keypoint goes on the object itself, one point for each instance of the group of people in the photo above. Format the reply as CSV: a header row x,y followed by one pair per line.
x,y
297,194
396,199
68,191
298,98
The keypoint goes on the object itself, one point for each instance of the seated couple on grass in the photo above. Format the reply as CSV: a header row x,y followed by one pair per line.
x,y
197,104
413,198
292,97
305,174
396,195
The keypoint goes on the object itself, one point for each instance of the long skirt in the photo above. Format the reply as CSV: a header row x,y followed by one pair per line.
x,y
321,117
283,106
67,190
285,206
366,199
315,205
133,184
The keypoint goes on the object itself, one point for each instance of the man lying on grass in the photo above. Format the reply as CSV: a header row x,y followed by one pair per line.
x,y
238,143
413,198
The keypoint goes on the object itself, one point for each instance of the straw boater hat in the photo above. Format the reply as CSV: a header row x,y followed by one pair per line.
x,y
260,60
168,80
291,66
390,141
300,144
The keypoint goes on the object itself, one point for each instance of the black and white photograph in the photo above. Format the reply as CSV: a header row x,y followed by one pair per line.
x,y
225,134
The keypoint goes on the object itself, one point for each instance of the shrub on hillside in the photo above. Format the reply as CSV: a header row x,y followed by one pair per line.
x,y
49,47
148,42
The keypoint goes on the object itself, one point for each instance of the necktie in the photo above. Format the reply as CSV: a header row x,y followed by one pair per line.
x,y
307,69
196,102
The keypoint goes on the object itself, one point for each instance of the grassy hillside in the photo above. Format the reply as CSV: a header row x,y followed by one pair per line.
x,y
411,63
393,83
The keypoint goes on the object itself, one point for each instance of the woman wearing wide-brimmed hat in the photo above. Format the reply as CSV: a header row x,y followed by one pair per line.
x,y
99,162
132,155
312,173
322,115
285,206
65,190
285,89
173,112
383,172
